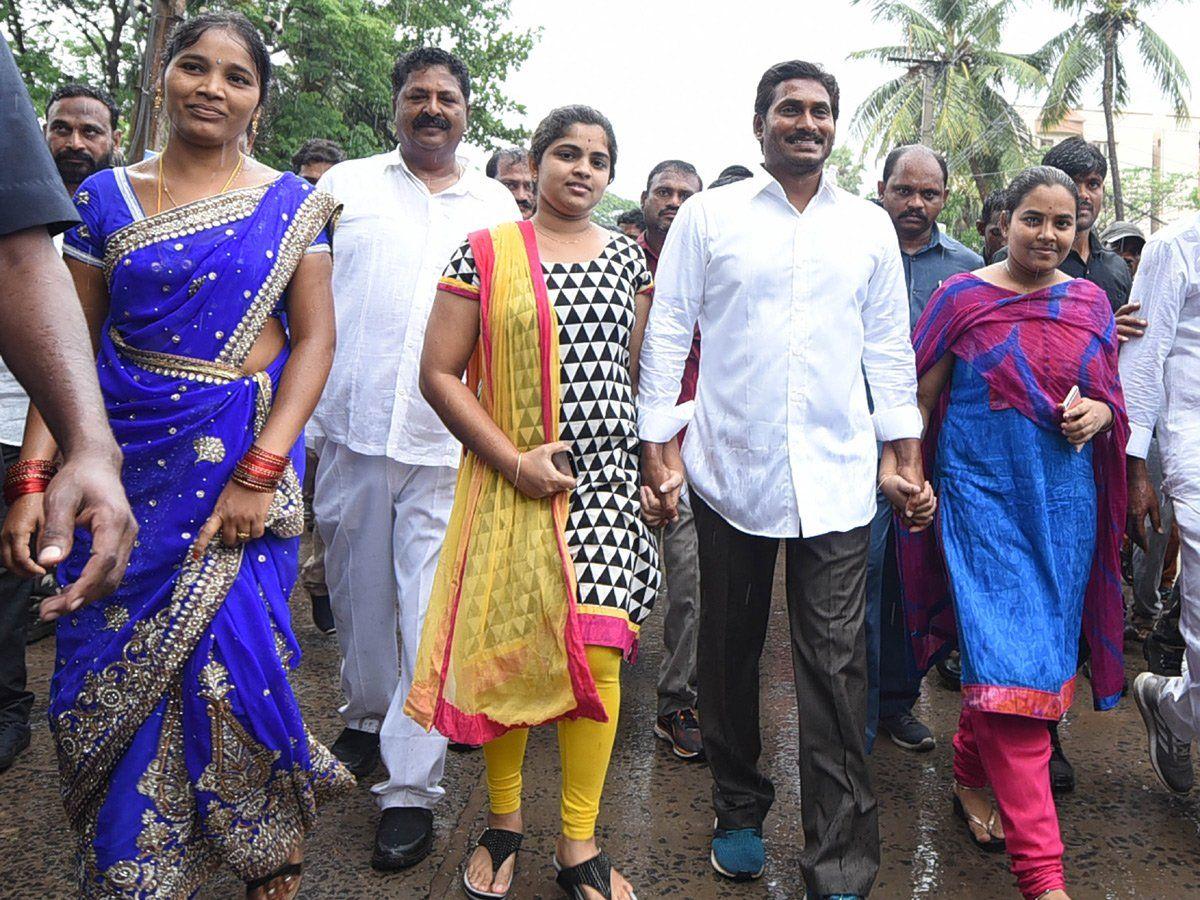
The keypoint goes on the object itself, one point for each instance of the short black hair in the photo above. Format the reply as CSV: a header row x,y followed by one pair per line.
x,y
511,155
1035,177
787,71
674,165
994,202
318,150
1077,158
632,217
731,175
75,89
737,172
893,160
559,122
187,32
423,58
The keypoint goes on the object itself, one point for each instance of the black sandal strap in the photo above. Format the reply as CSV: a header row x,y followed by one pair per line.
x,y
500,845
595,873
287,870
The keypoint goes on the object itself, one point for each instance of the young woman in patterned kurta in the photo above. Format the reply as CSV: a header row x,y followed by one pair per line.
x,y
578,295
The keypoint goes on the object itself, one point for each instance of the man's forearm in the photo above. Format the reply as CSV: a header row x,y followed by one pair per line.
x,y
44,341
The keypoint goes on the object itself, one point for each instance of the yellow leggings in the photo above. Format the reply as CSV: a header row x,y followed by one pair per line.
x,y
584,748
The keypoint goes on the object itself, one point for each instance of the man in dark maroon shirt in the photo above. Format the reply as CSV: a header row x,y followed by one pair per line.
x,y
670,183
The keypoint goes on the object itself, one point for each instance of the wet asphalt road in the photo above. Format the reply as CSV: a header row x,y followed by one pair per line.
x,y
1125,836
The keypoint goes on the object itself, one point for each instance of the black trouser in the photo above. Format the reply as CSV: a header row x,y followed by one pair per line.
x,y
826,597
15,701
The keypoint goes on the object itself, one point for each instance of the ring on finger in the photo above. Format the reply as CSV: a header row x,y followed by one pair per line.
x,y
242,535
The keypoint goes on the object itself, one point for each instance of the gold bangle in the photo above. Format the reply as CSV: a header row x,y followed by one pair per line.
x,y
517,476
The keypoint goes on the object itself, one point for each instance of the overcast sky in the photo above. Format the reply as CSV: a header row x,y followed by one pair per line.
x,y
677,78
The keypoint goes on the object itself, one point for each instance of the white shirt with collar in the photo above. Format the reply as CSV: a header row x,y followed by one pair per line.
x,y
792,307
392,242
1160,371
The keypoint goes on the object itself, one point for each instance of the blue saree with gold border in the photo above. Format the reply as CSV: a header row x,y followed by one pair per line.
x,y
180,742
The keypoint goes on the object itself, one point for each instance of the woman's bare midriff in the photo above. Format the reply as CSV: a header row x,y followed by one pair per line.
x,y
266,347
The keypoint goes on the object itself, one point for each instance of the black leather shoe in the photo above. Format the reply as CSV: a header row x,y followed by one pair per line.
x,y
404,838
322,615
14,740
358,751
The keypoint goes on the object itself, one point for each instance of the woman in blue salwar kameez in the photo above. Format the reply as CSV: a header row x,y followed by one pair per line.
x,y
181,746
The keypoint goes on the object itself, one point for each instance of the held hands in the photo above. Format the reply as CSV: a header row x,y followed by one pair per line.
x,y
537,477
662,480
1085,420
240,515
915,504
1128,325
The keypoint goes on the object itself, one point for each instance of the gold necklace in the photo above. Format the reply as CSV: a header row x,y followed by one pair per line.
x,y
555,237
162,182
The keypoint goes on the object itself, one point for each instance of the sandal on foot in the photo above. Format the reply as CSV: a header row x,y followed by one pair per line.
x,y
500,845
595,873
993,844
287,870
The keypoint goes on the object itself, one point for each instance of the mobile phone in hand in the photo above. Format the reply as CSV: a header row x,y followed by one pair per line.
x,y
564,461
1073,398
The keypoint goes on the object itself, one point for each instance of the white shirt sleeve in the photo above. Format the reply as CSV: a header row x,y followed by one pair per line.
x,y
678,296
1161,288
888,359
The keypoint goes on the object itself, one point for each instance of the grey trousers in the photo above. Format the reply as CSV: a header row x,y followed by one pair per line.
x,y
680,601
1148,567
312,570
826,597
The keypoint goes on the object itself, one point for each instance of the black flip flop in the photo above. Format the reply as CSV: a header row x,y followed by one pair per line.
x,y
595,873
287,870
500,845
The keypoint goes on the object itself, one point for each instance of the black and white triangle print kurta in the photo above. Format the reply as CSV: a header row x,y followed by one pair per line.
x,y
616,559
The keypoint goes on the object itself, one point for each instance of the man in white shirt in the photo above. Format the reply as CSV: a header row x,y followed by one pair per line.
x,y
1160,373
797,287
385,482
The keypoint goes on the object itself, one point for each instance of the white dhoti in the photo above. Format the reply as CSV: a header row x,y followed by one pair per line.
x,y
383,523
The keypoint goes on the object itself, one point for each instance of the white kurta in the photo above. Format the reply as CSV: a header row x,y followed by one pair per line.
x,y
1160,373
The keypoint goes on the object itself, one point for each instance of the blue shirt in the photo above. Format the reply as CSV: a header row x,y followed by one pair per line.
x,y
925,270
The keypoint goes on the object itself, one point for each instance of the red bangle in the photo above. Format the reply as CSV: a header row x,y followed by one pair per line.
x,y
15,489
257,454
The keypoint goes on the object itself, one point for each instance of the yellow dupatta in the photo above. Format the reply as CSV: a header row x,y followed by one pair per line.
x,y
501,645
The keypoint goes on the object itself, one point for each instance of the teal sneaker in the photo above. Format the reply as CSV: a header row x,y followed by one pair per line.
x,y
737,853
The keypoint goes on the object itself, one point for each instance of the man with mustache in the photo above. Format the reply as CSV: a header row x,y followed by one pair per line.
x,y
669,184
81,131
913,191
385,480
782,448
510,167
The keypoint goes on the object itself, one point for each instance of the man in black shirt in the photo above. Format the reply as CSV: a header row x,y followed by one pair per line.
x,y
1088,258
44,341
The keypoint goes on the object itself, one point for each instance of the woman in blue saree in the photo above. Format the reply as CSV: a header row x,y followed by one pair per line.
x,y
180,742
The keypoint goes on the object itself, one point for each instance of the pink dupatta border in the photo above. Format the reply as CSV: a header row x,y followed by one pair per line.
x,y
478,728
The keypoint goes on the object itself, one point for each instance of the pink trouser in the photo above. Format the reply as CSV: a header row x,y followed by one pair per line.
x,y
1012,754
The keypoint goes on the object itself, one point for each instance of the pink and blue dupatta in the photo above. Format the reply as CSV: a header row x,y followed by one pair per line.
x,y
1030,349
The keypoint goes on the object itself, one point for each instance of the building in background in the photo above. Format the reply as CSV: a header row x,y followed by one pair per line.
x,y
1159,158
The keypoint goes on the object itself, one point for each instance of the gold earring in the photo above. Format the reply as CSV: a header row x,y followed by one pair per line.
x,y
254,125
158,100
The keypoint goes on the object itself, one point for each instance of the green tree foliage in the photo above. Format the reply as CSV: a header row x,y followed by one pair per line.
x,y
333,58
1092,47
610,206
952,49
1154,198
849,169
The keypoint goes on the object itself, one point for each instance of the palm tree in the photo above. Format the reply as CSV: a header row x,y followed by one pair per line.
x,y
951,95
1093,44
